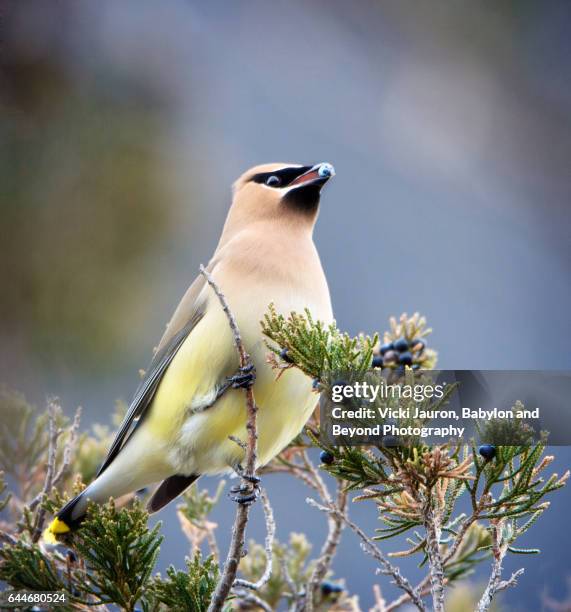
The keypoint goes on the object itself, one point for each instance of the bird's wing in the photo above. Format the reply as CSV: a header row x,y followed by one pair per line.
x,y
188,313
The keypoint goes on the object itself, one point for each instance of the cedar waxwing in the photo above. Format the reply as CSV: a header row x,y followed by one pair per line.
x,y
179,423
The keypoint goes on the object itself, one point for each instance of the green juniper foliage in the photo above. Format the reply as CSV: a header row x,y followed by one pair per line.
x,y
109,561
508,432
24,566
119,551
316,348
190,590
412,482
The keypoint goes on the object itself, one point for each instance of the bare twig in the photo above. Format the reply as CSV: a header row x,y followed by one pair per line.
x,y
370,548
289,580
69,447
464,527
495,583
249,597
330,545
239,529
380,603
269,547
422,588
54,433
212,544
244,357
433,531
512,581
319,483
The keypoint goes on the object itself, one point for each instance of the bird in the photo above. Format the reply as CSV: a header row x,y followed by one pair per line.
x,y
189,405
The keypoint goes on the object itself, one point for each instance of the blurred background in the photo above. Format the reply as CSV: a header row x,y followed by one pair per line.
x,y
123,126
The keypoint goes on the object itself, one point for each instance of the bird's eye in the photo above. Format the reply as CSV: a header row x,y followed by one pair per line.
x,y
273,181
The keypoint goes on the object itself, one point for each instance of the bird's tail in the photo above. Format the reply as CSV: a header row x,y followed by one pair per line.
x,y
67,519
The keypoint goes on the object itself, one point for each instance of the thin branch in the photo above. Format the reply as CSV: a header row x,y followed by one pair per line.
x,y
422,588
465,526
69,447
289,582
248,597
329,548
54,433
269,547
495,583
380,603
370,548
319,482
433,532
244,357
212,544
511,582
242,512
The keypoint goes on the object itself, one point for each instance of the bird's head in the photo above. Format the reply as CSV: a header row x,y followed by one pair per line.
x,y
288,191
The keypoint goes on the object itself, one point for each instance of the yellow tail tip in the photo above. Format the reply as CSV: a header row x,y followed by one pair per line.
x,y
57,526
48,537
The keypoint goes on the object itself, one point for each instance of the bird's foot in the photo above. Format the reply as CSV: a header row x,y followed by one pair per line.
x,y
244,493
244,378
241,472
247,491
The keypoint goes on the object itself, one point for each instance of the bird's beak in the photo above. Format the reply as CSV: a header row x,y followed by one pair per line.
x,y
318,175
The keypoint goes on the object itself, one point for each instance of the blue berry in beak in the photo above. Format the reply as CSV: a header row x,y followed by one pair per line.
x,y
401,345
285,356
326,457
326,170
488,451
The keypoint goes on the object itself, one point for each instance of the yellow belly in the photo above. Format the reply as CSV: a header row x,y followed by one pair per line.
x,y
198,442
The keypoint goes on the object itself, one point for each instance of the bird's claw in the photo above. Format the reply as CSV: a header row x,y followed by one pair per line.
x,y
244,494
245,377
241,472
255,480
